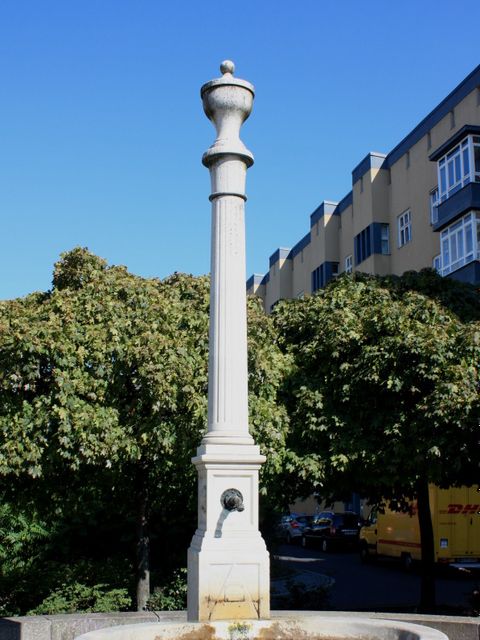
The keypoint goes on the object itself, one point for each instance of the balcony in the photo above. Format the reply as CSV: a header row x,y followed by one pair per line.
x,y
457,204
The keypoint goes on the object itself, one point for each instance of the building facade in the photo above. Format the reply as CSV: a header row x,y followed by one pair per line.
x,y
417,206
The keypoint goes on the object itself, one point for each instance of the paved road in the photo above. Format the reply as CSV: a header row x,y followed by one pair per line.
x,y
381,586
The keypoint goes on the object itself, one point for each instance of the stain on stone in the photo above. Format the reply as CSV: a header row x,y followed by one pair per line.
x,y
276,631
242,631
226,609
205,632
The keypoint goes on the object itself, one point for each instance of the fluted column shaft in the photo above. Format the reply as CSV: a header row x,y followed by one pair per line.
x,y
228,376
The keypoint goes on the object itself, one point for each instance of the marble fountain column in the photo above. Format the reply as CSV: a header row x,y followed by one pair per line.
x,y
228,563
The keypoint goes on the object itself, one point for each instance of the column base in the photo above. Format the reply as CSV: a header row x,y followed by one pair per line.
x,y
228,579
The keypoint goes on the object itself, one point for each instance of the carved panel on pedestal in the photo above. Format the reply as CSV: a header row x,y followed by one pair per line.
x,y
234,591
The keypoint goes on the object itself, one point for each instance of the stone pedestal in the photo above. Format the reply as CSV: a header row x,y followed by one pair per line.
x,y
228,563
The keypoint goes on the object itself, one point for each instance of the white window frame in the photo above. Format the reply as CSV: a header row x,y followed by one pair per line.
x,y
404,228
349,264
457,168
460,243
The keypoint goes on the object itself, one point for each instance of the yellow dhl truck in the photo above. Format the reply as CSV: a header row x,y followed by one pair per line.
x,y
456,527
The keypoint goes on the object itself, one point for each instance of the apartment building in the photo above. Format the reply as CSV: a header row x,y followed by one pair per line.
x,y
417,206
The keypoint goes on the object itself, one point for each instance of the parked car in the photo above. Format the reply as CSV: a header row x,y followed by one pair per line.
x,y
330,529
291,526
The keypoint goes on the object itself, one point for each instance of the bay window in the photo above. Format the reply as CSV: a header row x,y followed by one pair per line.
x,y
458,167
460,243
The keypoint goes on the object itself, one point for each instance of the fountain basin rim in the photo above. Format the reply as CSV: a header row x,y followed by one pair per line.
x,y
298,627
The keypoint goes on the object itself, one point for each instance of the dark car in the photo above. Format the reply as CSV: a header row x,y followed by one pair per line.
x,y
331,530
291,526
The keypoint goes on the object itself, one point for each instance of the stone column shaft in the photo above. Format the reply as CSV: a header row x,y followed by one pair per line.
x,y
228,375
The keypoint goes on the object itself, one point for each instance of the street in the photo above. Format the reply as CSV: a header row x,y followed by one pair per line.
x,y
381,586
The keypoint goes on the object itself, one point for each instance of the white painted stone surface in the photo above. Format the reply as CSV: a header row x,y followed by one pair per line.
x,y
314,625
228,563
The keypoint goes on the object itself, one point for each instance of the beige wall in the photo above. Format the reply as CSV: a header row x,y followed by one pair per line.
x,y
372,205
301,274
279,285
410,189
324,240
379,196
331,234
256,290
362,203
317,243
285,270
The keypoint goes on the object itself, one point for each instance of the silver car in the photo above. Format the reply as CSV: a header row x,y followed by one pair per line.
x,y
291,527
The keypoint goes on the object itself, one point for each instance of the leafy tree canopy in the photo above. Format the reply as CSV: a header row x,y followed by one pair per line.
x,y
385,385
111,367
103,387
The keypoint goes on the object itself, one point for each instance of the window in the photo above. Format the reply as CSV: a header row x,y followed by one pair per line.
x,y
349,264
476,157
404,225
437,263
385,239
322,275
434,206
460,243
459,166
362,245
373,239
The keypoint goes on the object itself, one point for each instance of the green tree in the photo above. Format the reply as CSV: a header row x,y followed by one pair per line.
x,y
384,396
461,298
103,382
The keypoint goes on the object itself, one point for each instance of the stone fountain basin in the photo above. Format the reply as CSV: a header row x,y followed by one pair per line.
x,y
312,627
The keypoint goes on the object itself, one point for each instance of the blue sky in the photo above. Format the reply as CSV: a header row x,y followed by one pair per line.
x,y
102,129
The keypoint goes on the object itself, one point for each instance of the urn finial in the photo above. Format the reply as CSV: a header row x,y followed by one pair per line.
x,y
227,102
227,66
